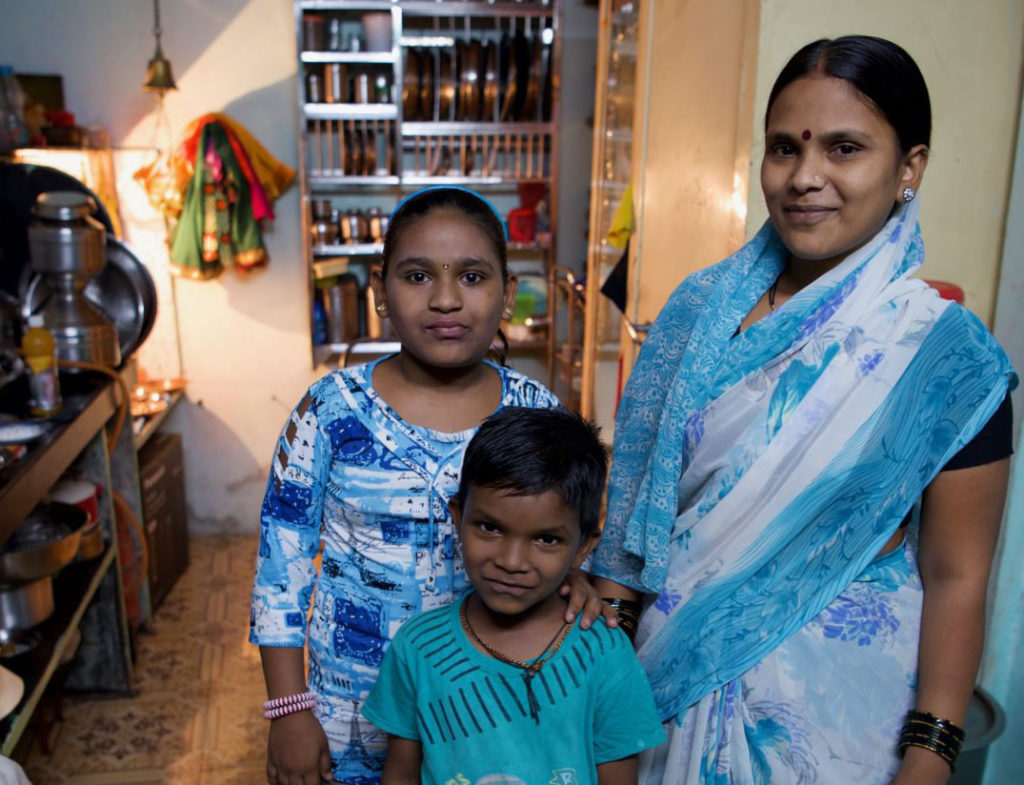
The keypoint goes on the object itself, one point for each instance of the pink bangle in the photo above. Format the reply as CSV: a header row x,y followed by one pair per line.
x,y
288,700
291,708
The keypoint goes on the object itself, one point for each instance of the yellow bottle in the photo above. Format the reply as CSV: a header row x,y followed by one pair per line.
x,y
40,352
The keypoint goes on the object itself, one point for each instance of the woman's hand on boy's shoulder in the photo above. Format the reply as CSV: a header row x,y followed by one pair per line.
x,y
297,751
585,601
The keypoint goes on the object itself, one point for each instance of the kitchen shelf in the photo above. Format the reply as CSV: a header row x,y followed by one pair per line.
x,y
354,58
345,5
74,588
155,421
348,249
327,352
26,482
492,157
427,179
468,9
343,182
350,111
456,128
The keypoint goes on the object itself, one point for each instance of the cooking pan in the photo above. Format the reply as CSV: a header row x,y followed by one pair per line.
x,y
470,80
547,85
531,97
428,77
446,87
411,86
490,80
45,542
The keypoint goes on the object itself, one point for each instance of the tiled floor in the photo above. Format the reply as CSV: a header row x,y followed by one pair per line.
x,y
197,717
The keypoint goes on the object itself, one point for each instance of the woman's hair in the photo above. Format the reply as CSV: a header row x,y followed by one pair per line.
x,y
462,200
880,70
525,452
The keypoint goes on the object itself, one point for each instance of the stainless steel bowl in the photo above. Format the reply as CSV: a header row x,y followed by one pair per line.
x,y
30,555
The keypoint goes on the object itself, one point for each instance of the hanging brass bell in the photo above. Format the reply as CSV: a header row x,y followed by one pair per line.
x,y
159,78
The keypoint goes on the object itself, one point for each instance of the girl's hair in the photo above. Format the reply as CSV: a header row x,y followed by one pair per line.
x,y
880,70
447,197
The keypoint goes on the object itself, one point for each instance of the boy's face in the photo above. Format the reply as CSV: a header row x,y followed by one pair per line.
x,y
518,549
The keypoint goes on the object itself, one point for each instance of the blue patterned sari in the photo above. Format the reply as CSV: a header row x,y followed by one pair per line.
x,y
755,477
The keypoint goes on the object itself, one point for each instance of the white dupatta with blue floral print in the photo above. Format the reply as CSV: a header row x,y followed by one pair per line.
x,y
756,475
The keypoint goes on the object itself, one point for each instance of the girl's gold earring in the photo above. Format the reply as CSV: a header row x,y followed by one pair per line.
x,y
381,309
506,314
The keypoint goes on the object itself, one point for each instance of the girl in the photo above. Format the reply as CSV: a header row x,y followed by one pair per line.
x,y
816,393
364,468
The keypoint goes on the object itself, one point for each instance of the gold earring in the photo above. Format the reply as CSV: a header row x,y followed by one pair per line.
x,y
381,309
507,313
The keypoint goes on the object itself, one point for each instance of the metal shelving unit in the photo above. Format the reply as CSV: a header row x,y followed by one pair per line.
x,y
362,153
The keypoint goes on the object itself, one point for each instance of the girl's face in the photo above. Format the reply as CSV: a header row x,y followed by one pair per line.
x,y
832,169
444,290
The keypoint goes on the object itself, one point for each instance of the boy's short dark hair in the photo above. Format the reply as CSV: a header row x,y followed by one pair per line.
x,y
529,451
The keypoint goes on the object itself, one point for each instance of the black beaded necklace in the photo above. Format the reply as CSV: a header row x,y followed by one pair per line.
x,y
530,669
771,294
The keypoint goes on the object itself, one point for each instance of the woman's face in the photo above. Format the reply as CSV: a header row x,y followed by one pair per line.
x,y
832,169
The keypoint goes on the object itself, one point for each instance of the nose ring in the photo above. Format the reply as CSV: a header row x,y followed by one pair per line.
x,y
818,181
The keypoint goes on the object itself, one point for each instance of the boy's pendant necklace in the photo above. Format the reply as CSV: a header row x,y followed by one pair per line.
x,y
530,669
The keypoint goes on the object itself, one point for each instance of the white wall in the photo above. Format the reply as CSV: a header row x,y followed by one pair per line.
x,y
244,340
971,55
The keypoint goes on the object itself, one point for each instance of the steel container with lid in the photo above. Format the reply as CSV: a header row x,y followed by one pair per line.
x,y
64,237
68,249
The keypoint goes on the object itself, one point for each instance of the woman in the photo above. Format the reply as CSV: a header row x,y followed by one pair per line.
x,y
819,399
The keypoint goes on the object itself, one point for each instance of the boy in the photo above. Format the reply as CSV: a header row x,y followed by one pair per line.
x,y
497,689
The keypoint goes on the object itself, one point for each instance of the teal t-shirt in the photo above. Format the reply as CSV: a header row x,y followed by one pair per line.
x,y
471,713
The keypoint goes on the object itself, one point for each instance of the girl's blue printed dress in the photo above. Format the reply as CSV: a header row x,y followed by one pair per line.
x,y
350,473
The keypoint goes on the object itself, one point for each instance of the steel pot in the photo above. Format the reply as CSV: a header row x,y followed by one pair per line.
x,y
353,226
378,224
24,605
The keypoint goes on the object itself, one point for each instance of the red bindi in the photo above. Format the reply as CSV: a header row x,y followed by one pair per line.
x,y
806,136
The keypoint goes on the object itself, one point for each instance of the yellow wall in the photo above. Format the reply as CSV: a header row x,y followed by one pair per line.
x,y
691,141
971,56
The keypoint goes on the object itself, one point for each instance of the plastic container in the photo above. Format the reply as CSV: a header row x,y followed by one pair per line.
x,y
40,352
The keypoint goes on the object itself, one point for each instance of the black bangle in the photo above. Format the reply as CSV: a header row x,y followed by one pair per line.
x,y
627,612
924,730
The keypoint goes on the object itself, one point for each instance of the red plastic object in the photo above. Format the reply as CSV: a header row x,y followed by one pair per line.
x,y
947,290
522,225
531,193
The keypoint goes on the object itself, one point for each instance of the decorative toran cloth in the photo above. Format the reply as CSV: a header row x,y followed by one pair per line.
x,y
219,183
